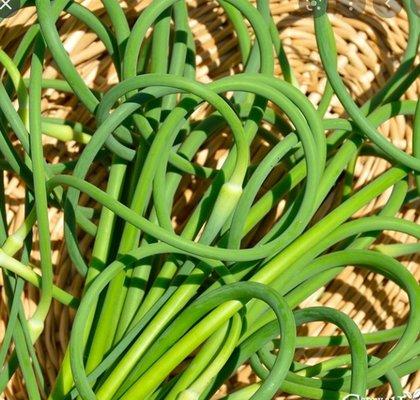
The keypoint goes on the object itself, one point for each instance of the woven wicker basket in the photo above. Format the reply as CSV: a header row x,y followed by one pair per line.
x,y
369,49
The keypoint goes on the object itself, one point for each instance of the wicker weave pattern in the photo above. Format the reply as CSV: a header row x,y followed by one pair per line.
x,y
369,49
